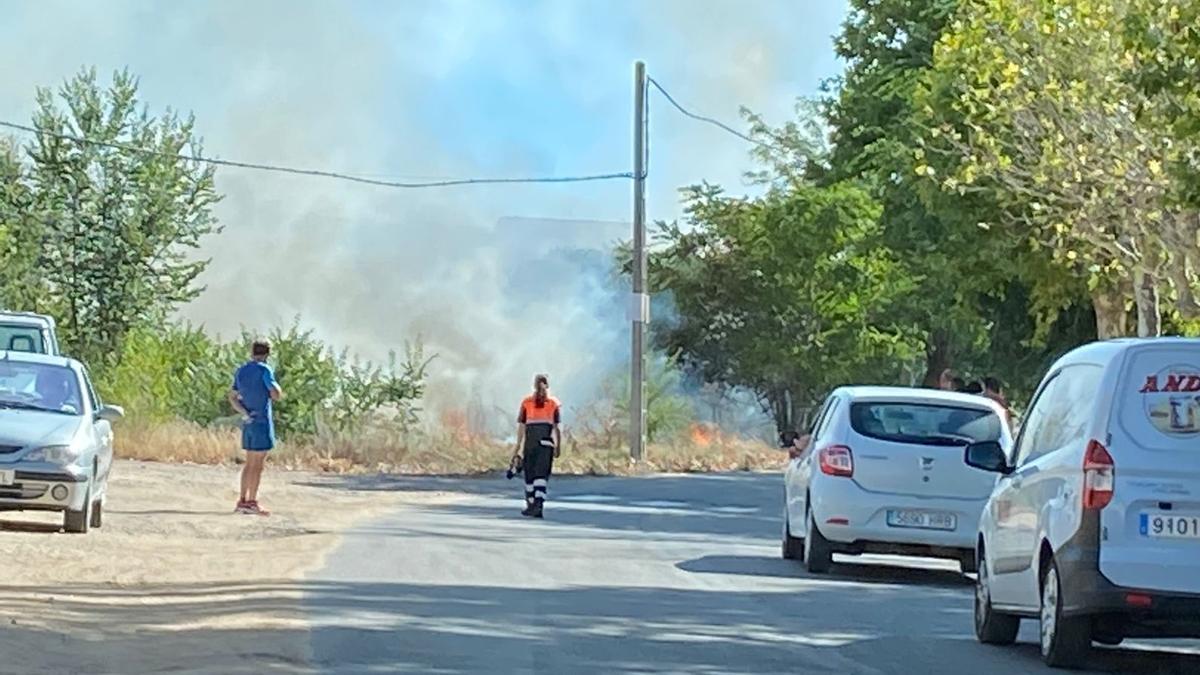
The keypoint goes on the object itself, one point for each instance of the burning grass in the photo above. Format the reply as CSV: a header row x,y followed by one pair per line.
x,y
703,448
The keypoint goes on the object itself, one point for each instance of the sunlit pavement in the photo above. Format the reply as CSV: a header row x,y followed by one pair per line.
x,y
663,574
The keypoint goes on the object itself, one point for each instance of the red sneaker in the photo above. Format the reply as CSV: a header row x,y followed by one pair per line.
x,y
254,508
242,507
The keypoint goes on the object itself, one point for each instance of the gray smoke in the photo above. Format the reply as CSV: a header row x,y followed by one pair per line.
x,y
499,282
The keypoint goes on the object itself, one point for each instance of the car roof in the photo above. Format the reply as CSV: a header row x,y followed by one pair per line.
x,y
916,395
26,318
1104,351
44,359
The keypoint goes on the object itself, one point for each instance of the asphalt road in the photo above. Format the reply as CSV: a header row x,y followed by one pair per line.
x,y
662,574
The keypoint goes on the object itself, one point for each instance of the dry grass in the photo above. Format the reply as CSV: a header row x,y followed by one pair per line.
x,y
389,451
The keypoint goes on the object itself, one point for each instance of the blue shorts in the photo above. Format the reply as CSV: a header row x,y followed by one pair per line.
x,y
258,437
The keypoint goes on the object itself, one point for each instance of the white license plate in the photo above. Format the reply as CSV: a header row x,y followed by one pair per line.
x,y
923,520
1169,525
8,476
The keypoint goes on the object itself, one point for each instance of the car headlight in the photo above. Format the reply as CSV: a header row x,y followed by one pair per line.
x,y
54,454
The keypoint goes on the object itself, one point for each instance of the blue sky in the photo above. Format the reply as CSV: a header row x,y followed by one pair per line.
x,y
423,88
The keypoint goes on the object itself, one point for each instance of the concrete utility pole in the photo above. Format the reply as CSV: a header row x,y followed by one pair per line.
x,y
640,302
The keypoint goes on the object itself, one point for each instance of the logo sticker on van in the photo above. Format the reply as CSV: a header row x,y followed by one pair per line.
x,y
1172,400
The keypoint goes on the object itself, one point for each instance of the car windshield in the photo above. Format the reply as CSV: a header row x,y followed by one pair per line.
x,y
925,424
21,338
39,386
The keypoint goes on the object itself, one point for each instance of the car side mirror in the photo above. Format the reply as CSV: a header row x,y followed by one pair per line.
x,y
988,456
110,413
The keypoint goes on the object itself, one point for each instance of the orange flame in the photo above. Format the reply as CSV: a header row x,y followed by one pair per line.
x,y
702,434
457,424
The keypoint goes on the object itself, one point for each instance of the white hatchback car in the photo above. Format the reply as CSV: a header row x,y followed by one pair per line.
x,y
1094,527
883,473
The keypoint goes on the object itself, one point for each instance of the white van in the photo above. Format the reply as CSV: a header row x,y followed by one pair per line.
x,y
28,332
1094,525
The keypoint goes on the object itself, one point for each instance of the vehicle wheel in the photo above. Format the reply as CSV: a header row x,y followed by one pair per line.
x,y
992,627
818,554
1066,641
77,522
97,519
967,564
793,547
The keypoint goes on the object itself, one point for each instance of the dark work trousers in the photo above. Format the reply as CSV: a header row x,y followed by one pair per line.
x,y
539,463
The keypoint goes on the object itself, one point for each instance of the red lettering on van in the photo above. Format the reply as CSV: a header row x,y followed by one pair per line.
x,y
1151,385
1193,384
1175,382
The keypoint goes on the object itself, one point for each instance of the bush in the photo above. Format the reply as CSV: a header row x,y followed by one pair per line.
x,y
177,372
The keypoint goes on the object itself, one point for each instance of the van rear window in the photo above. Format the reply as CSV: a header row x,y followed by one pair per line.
x,y
15,338
924,424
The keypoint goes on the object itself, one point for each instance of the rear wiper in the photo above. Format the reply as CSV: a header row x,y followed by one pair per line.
x,y
951,440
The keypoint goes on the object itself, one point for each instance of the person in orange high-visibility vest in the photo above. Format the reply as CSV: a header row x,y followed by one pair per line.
x,y
539,442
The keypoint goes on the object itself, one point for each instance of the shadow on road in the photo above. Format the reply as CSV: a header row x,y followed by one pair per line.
x,y
8,525
476,629
388,627
760,488
763,566
234,629
741,505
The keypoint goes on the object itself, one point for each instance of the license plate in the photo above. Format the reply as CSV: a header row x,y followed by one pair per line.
x,y
1169,526
8,476
922,520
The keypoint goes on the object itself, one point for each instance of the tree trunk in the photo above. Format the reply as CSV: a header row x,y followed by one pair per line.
x,y
1149,316
1109,304
1185,299
938,357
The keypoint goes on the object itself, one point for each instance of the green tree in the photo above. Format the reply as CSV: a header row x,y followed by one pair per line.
x,y
1163,42
366,390
668,411
1163,37
21,284
1030,105
787,295
120,227
888,47
171,371
177,371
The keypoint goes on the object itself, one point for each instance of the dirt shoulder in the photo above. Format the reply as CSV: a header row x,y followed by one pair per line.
x,y
174,581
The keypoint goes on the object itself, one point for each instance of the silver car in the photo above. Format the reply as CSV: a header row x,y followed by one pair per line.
x,y
56,439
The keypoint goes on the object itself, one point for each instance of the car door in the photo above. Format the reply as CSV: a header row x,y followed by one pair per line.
x,y
102,432
800,468
1007,558
1044,483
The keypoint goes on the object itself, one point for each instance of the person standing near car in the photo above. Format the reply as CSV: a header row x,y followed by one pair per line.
x,y
994,390
539,442
254,390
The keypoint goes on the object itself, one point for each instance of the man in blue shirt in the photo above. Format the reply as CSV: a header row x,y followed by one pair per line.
x,y
254,390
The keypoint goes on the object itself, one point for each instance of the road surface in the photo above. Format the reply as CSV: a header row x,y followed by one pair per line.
x,y
660,574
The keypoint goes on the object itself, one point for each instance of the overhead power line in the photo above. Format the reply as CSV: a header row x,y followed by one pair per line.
x,y
701,118
450,182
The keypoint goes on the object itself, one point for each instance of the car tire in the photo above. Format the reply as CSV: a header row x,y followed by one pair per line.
x,y
793,547
1066,642
992,627
818,554
97,519
968,564
77,522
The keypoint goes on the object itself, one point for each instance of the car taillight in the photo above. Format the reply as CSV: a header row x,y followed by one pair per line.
x,y
1099,476
836,460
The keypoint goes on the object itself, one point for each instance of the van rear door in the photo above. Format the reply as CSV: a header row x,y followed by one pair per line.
x,y
1150,532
